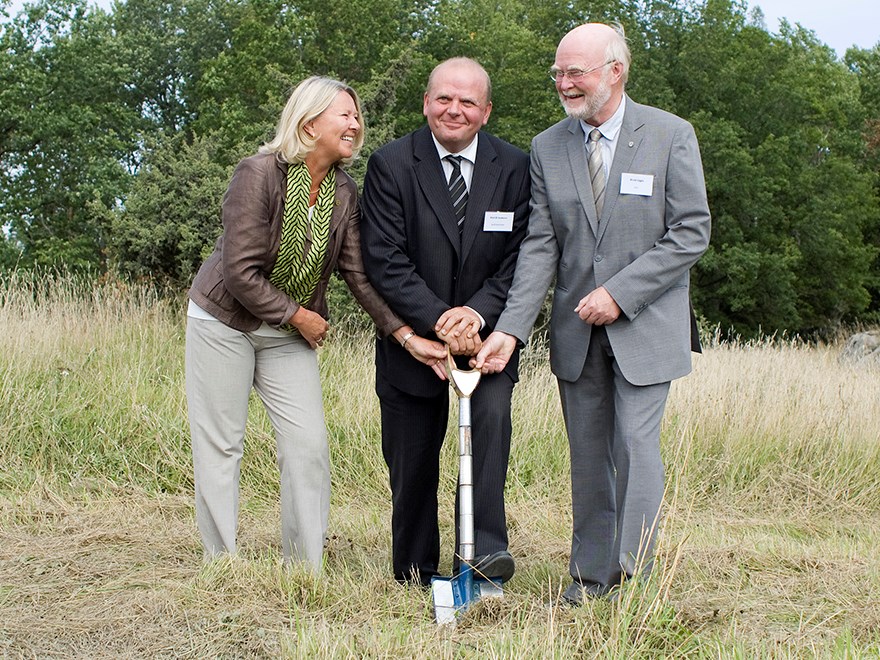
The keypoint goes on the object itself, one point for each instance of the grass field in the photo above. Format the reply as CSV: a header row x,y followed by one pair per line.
x,y
769,544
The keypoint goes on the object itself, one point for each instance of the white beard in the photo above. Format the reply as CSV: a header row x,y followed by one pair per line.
x,y
593,103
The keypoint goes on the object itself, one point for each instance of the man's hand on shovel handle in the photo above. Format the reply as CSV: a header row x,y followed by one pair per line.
x,y
460,328
495,353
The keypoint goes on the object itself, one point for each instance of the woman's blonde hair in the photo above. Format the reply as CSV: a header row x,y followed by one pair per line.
x,y
310,98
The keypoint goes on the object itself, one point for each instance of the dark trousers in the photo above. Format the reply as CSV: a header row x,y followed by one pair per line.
x,y
413,429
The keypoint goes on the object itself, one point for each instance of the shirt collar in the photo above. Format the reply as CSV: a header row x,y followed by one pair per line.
x,y
469,153
610,128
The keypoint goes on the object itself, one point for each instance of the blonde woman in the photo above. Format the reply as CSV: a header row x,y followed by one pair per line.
x,y
258,311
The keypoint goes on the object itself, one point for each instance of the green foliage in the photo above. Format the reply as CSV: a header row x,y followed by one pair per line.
x,y
164,44
65,136
10,255
379,101
172,216
355,39
244,87
866,65
101,112
794,212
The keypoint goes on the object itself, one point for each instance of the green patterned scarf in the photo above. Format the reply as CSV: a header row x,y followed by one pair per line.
x,y
303,241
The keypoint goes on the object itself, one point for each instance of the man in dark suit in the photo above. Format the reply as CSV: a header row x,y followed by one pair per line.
x,y
444,212
619,215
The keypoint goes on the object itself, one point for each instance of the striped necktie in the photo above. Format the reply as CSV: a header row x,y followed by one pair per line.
x,y
597,170
458,193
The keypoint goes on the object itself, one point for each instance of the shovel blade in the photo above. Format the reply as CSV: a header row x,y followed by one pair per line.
x,y
451,598
445,606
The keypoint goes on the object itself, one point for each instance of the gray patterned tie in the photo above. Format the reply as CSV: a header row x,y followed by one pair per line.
x,y
597,171
458,193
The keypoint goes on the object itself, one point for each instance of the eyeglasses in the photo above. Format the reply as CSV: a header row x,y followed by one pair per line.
x,y
574,75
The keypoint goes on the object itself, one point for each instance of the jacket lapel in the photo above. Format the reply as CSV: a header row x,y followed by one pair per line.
x,y
277,199
429,174
577,156
337,215
628,142
483,184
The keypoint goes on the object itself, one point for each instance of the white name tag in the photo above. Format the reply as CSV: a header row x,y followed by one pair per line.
x,y
498,221
636,184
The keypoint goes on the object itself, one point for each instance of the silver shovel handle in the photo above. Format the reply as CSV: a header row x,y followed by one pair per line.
x,y
464,382
465,482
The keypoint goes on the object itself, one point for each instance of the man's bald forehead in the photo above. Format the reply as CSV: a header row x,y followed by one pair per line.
x,y
462,63
588,34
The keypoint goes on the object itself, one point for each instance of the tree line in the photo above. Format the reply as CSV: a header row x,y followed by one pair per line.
x,y
119,128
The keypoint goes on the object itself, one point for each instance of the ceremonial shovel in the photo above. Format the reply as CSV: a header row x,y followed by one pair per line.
x,y
453,595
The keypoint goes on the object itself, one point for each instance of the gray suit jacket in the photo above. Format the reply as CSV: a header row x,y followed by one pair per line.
x,y
641,249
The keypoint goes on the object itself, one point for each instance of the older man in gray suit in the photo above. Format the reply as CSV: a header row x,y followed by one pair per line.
x,y
619,214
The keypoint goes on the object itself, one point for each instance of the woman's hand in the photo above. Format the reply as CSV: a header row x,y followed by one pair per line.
x,y
428,352
431,353
313,327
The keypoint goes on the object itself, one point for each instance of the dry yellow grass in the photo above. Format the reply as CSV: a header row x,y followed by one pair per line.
x,y
780,390
769,545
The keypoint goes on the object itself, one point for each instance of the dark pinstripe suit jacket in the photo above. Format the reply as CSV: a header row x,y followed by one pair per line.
x,y
412,251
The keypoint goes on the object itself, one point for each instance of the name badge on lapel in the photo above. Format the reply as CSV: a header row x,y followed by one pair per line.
x,y
636,184
498,221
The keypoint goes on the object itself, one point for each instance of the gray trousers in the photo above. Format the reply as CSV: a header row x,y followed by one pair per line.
x,y
616,470
222,364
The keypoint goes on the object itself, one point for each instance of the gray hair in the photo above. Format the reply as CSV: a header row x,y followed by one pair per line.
x,y
617,50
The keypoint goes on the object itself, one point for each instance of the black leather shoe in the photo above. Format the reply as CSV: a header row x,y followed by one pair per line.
x,y
578,592
497,566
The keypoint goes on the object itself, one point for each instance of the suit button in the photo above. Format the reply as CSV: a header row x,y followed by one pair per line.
x,y
597,258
